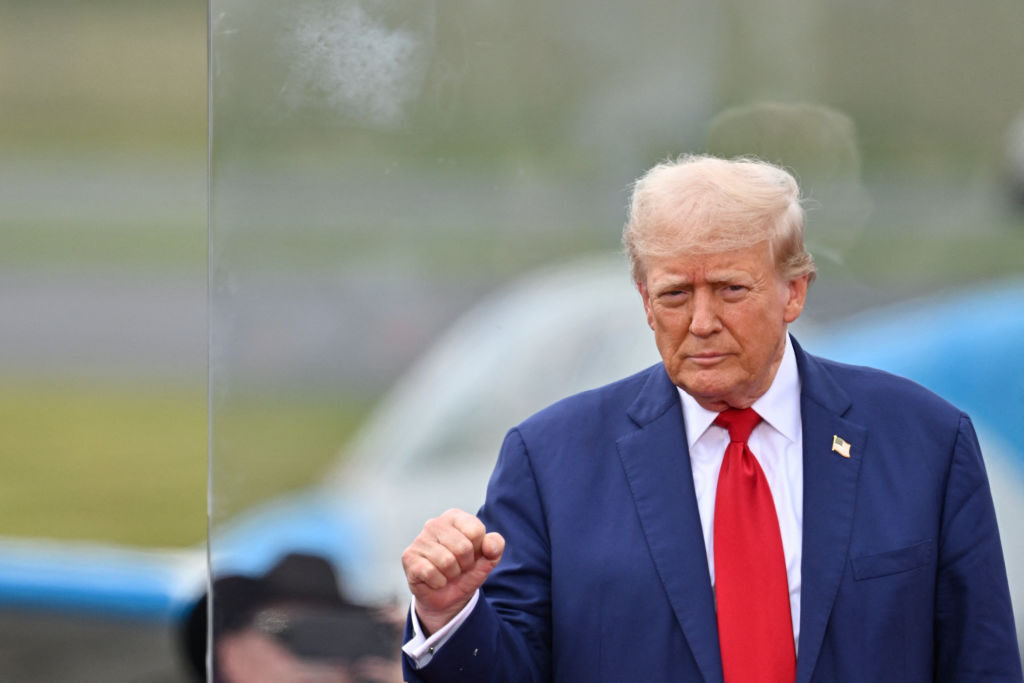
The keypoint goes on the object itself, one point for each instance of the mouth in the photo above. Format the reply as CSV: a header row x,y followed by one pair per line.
x,y
706,358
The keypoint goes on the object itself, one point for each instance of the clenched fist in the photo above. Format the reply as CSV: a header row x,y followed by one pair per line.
x,y
446,563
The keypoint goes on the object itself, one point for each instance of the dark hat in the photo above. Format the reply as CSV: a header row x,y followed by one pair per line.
x,y
298,603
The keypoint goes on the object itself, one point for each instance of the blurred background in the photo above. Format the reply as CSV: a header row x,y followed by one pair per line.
x,y
413,214
102,326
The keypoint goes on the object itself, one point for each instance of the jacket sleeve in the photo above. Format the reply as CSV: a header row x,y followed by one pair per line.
x,y
975,638
506,638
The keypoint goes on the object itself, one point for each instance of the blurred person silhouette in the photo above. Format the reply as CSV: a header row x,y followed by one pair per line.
x,y
1014,162
292,625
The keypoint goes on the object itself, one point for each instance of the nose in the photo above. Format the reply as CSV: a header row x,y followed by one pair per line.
x,y
704,315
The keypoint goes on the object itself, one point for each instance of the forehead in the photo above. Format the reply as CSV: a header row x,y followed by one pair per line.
x,y
754,261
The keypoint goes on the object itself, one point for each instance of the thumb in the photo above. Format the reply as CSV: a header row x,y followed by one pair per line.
x,y
491,550
493,547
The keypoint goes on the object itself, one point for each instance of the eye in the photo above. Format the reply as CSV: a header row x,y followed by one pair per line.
x,y
734,292
672,297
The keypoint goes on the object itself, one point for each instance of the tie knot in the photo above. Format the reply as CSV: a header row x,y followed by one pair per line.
x,y
739,423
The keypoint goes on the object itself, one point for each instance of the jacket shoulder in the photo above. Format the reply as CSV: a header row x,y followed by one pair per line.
x,y
885,390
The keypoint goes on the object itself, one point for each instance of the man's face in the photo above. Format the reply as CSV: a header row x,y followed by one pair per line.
x,y
719,321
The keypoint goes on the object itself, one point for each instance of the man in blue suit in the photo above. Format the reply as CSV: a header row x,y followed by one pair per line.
x,y
637,533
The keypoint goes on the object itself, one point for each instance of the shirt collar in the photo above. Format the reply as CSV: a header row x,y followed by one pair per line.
x,y
779,406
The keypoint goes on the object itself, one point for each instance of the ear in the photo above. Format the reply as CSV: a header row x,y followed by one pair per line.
x,y
642,288
796,295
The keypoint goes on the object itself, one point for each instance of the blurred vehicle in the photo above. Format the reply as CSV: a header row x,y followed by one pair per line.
x,y
432,442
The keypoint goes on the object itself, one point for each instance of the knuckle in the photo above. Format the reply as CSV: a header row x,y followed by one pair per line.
x,y
425,573
471,527
462,546
446,563
419,543
414,566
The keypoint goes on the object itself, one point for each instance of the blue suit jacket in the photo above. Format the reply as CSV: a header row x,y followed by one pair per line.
x,y
605,578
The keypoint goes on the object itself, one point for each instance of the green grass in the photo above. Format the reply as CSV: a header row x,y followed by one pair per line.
x,y
103,75
126,463
270,443
90,242
120,463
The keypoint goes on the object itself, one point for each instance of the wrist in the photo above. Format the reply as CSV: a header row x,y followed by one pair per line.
x,y
432,621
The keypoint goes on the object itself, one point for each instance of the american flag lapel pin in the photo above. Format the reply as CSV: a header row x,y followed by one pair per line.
x,y
840,446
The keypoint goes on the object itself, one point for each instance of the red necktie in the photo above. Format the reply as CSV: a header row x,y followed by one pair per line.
x,y
755,626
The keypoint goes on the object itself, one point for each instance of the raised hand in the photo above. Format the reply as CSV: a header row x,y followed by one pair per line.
x,y
447,563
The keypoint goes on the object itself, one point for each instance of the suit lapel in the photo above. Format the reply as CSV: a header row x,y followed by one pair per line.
x,y
830,491
657,466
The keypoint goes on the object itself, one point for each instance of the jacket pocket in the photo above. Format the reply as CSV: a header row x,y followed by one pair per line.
x,y
893,561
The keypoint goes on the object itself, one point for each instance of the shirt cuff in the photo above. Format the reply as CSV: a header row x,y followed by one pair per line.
x,y
420,648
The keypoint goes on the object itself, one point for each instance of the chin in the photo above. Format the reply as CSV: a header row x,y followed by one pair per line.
x,y
704,394
704,387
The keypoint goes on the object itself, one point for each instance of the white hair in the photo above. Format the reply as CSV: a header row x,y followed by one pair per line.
x,y
702,204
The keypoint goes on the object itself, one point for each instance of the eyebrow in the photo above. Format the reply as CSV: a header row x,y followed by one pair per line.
x,y
715,278
671,283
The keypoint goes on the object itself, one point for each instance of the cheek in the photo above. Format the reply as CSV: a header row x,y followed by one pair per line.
x,y
760,341
670,324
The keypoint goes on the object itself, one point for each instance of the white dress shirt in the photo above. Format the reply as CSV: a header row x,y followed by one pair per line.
x,y
777,443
